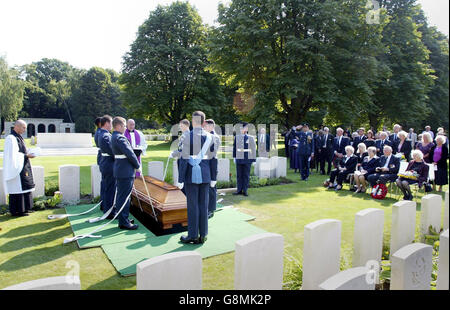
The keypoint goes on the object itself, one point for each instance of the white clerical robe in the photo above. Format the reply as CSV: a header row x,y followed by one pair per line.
x,y
13,161
142,145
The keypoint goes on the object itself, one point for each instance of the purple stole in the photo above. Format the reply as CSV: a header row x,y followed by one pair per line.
x,y
137,138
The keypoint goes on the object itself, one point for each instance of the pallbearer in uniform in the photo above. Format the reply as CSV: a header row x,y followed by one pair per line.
x,y
99,152
306,151
17,172
210,127
108,188
136,139
125,166
244,153
195,175
176,154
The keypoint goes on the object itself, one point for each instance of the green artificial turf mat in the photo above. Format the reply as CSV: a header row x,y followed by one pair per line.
x,y
226,227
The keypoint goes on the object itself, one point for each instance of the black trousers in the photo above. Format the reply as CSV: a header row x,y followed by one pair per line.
x,y
243,177
339,176
197,196
212,199
381,178
20,203
324,156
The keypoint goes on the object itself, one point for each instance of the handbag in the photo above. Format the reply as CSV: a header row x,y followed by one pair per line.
x,y
427,187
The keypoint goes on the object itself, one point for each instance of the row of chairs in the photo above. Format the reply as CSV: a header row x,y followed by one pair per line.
x,y
392,186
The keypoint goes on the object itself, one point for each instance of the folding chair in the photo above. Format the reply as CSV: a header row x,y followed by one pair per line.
x,y
393,186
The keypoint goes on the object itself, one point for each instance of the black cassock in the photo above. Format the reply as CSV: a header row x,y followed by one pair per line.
x,y
22,203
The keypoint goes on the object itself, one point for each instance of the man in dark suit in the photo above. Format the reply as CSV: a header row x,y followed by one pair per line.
x,y
263,143
210,127
387,169
306,151
108,183
394,137
125,166
244,154
359,139
380,143
325,150
195,174
339,144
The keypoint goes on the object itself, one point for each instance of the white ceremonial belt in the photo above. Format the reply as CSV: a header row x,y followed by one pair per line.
x,y
244,150
120,157
105,155
196,156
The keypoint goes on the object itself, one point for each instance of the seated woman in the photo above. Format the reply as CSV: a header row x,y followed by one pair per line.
x,y
367,167
361,152
370,141
417,172
403,145
346,166
439,156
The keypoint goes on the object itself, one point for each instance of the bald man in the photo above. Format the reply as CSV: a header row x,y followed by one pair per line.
x,y
137,141
17,172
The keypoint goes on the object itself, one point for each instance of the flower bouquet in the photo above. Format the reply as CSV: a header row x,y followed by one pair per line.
x,y
412,175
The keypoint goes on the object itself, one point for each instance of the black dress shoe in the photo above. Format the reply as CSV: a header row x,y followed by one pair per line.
x,y
111,216
237,193
202,240
129,227
210,215
245,194
187,240
20,214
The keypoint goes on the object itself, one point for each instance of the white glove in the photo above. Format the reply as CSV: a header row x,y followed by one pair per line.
x,y
140,169
234,161
180,185
171,155
213,183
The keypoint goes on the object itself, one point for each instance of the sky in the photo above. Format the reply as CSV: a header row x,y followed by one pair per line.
x,y
89,33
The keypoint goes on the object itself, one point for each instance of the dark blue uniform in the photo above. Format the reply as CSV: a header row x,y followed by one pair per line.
x,y
108,185
99,156
244,151
125,164
197,193
305,150
214,163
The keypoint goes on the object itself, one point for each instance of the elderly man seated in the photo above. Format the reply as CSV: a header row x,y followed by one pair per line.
x,y
346,166
387,169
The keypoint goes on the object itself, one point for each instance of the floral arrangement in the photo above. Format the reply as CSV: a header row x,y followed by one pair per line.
x,y
413,175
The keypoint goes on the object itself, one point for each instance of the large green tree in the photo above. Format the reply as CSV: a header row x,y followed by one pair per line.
x,y
11,92
296,57
164,74
95,96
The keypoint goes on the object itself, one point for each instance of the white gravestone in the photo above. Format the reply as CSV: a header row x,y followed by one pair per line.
x,y
258,262
256,165
411,267
69,183
175,173
96,181
273,167
357,278
446,211
48,284
173,271
264,168
39,181
2,189
156,169
403,226
442,274
321,252
368,237
281,167
64,140
223,170
430,214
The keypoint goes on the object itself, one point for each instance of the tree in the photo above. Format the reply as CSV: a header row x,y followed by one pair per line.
x,y
95,96
297,56
401,96
11,92
164,75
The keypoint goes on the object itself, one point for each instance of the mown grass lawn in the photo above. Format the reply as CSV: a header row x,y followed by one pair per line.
x,y
31,247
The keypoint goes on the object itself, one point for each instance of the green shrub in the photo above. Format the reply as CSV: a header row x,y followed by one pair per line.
x,y
51,186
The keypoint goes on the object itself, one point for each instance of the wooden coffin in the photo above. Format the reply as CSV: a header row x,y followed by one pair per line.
x,y
169,202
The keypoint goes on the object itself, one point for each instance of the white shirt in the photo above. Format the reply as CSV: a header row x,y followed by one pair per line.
x,y
326,138
387,162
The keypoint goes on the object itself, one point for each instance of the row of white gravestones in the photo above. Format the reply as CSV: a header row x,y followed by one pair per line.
x,y
258,265
39,181
273,167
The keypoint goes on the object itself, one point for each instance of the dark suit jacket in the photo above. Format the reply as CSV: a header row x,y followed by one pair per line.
x,y
104,143
358,140
266,143
340,148
370,165
406,148
442,163
192,145
329,143
350,164
123,168
213,154
393,166
380,145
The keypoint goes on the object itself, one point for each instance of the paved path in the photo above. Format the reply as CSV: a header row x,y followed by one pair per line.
x,y
66,152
